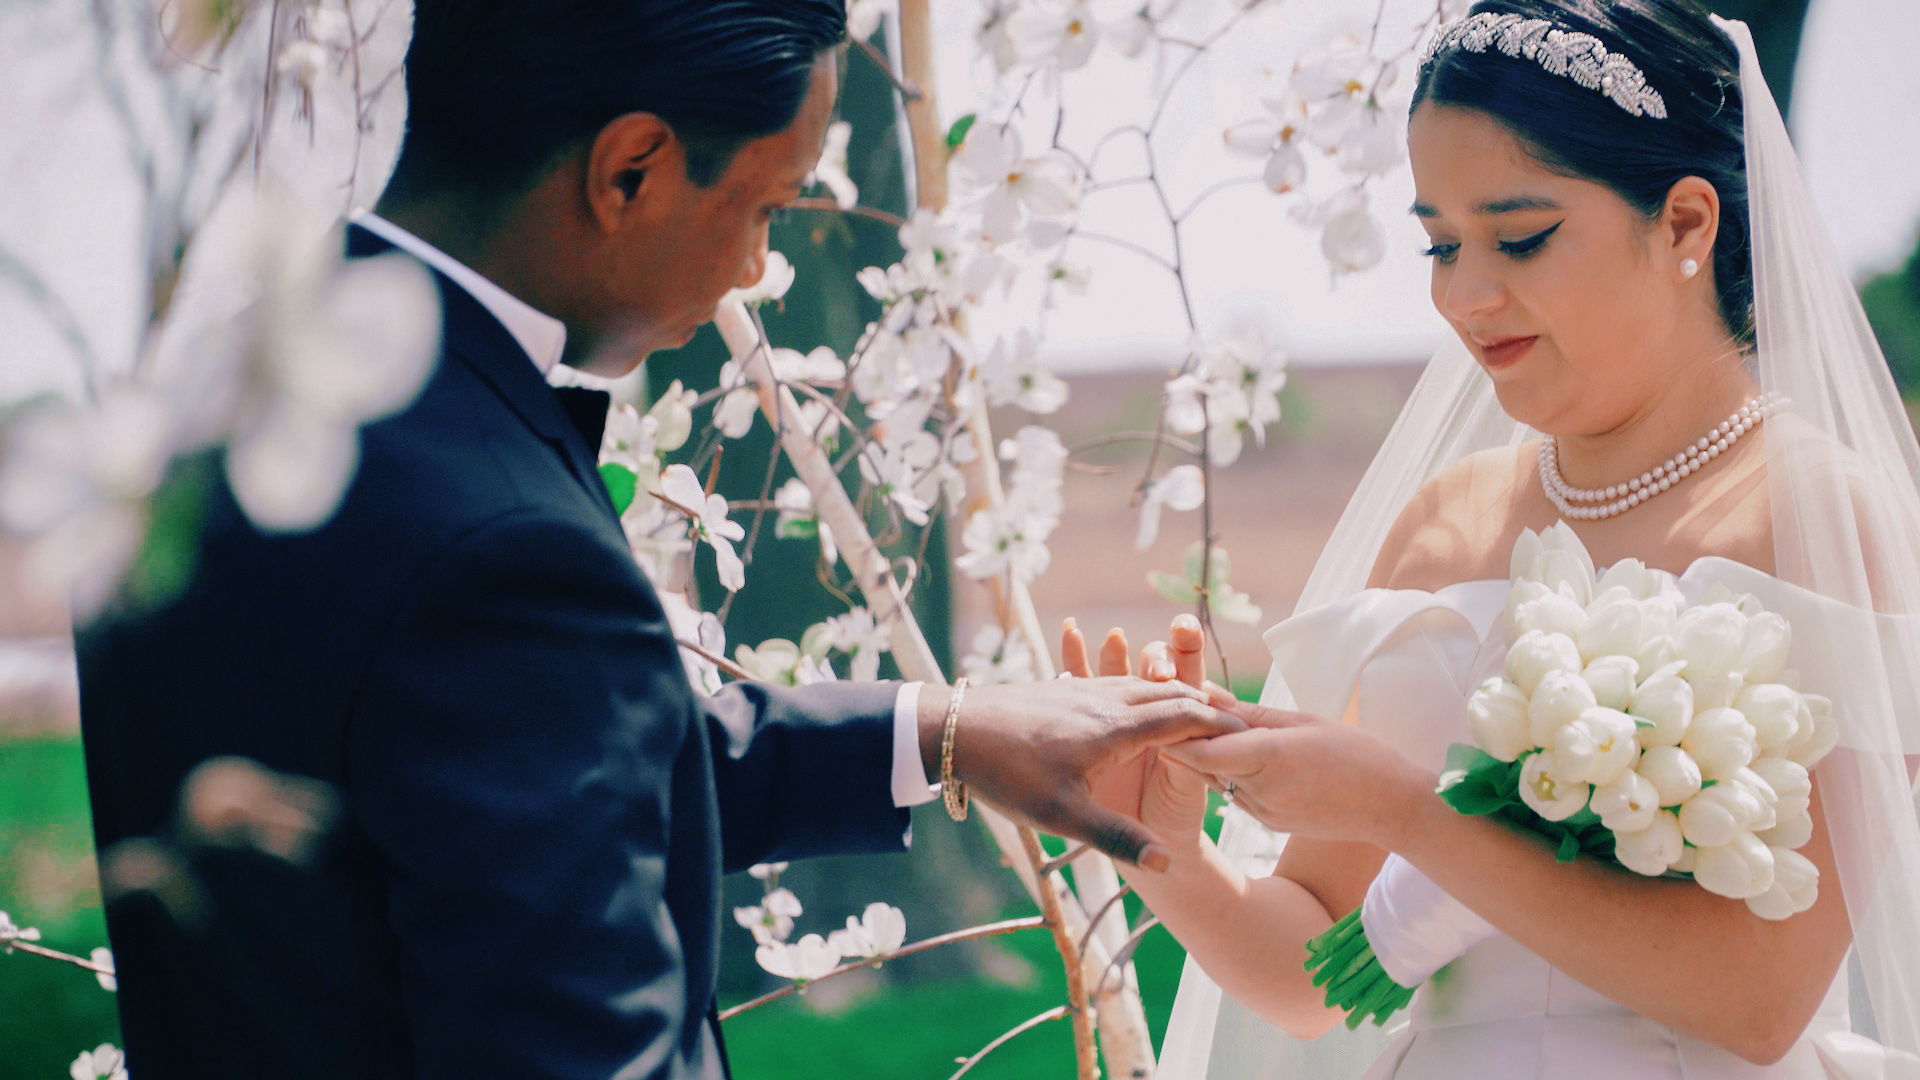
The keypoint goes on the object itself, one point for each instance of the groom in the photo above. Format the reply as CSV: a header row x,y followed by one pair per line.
x,y
464,677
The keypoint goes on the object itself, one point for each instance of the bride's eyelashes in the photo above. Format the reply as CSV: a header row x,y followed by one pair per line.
x,y
1523,248
1527,245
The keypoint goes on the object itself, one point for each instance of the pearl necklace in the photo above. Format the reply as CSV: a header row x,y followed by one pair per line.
x,y
1617,499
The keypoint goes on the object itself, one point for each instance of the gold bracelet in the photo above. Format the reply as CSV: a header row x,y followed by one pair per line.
x,y
952,790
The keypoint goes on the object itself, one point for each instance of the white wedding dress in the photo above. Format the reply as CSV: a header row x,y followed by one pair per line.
x,y
1407,661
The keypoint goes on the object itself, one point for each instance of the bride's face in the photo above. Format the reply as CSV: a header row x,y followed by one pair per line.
x,y
1556,284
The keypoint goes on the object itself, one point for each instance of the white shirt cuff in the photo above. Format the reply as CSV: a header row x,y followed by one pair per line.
x,y
910,784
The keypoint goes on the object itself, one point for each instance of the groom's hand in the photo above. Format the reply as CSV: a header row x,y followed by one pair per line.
x,y
1030,749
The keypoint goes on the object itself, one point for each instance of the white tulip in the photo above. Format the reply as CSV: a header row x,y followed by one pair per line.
x,y
1738,869
1664,700
1673,773
1825,732
1557,701
1716,692
1711,638
1549,796
1684,864
1535,654
1641,582
1619,625
1791,784
1628,803
1596,747
1564,561
1612,679
1763,794
1774,712
1519,595
1657,652
1721,740
1763,653
1551,613
1651,851
1497,717
1796,885
1793,831
1527,550
1718,814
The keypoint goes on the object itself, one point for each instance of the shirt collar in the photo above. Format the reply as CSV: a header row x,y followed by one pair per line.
x,y
541,335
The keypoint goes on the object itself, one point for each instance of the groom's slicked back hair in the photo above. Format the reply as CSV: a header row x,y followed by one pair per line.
x,y
499,90
1581,132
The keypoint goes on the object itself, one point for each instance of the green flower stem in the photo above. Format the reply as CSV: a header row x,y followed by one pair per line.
x,y
1342,960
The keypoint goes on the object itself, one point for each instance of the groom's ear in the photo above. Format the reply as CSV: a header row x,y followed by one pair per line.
x,y
630,161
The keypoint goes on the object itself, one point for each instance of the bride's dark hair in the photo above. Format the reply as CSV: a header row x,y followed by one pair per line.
x,y
1583,133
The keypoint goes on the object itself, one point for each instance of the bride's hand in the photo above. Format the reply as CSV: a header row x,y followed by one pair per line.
x,y
1164,795
1300,773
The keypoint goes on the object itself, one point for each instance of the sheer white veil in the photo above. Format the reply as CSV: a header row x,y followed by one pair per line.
x,y
1844,483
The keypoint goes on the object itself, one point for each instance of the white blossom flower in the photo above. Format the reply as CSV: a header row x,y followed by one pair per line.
x,y
103,957
990,36
798,518
858,635
1653,850
897,470
1071,276
1739,869
1352,239
1795,886
1559,699
1015,195
710,523
879,931
1340,87
808,958
10,932
1232,391
1535,654
1613,680
771,920
1129,34
813,670
1062,33
103,1062
1665,700
1597,746
773,284
1184,487
772,662
1548,795
1273,138
831,170
863,16
1015,375
1722,742
1673,773
769,872
1626,804
1002,541
1497,717
998,657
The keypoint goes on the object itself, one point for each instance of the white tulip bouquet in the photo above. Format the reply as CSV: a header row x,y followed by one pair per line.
x,y
1630,726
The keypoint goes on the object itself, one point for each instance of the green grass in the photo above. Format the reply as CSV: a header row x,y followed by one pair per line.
x,y
49,1011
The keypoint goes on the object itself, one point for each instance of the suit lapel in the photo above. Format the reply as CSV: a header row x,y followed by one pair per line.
x,y
471,332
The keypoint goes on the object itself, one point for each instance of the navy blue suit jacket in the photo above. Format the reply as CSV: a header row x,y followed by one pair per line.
x,y
534,807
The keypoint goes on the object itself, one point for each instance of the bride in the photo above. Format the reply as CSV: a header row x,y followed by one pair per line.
x,y
1655,344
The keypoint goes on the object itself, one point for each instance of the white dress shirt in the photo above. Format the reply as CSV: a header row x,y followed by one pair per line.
x,y
544,338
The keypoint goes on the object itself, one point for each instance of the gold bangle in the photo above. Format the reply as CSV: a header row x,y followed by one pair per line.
x,y
952,790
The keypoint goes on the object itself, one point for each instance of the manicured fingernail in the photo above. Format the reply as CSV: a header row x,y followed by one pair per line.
x,y
1155,858
1163,671
1070,625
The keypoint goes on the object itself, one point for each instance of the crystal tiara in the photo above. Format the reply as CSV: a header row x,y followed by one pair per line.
x,y
1580,57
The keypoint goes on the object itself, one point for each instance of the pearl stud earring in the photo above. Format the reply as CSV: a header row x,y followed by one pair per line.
x,y
1688,268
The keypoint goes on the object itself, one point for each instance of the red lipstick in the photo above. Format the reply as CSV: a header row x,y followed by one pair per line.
x,y
1504,352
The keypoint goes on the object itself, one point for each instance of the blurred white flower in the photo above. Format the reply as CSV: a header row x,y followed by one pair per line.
x,y
1795,886
327,346
103,957
798,518
308,64
103,1062
772,662
863,16
1071,276
808,958
1002,541
813,670
831,170
1739,869
1058,32
1183,488
990,36
1233,391
768,872
879,931
1129,34
773,284
1015,375
1339,90
896,471
1273,138
1712,638
11,932
771,920
998,657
